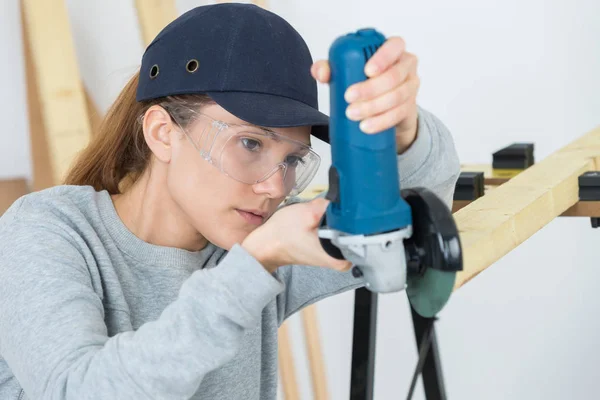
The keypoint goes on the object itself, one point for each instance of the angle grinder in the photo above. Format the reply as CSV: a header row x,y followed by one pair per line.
x,y
398,239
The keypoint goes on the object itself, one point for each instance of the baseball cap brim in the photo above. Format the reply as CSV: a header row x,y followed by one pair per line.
x,y
273,111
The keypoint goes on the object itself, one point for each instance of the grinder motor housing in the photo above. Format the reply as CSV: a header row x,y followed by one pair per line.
x,y
398,239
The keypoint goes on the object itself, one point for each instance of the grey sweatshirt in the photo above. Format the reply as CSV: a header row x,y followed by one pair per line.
x,y
90,311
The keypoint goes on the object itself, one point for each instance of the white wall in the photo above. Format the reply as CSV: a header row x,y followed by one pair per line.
x,y
495,72
14,151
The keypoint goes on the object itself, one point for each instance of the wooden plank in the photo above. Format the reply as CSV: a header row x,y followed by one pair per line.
x,y
315,354
63,125
312,191
42,172
261,3
583,209
458,204
153,16
498,222
93,112
491,176
580,209
287,370
10,191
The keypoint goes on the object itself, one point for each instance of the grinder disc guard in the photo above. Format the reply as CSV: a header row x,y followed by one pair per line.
x,y
433,252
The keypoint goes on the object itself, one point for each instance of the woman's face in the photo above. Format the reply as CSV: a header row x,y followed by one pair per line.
x,y
222,209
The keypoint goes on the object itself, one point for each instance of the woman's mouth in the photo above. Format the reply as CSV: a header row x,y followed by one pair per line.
x,y
253,217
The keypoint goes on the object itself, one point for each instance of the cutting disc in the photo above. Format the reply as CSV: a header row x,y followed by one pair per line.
x,y
429,292
434,252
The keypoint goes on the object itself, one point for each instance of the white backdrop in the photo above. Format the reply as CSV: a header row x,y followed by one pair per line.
x,y
495,72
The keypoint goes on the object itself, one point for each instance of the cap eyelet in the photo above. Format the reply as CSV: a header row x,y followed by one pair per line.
x,y
154,71
192,66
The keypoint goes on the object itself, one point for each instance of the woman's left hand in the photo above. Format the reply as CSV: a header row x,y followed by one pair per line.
x,y
389,98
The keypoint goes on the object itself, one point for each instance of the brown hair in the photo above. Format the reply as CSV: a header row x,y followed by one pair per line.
x,y
117,155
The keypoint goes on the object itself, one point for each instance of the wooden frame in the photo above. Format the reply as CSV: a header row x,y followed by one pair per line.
x,y
10,190
61,114
491,182
498,222
153,16
58,107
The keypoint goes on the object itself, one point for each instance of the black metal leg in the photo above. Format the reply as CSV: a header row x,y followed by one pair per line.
x,y
433,381
363,345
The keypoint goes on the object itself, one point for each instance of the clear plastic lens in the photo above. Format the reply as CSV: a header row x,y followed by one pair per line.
x,y
251,155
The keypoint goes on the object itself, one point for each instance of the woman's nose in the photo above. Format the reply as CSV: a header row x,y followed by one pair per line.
x,y
274,185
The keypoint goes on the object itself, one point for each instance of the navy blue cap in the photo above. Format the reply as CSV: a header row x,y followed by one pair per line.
x,y
249,60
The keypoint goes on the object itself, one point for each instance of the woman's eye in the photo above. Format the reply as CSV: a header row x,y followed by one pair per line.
x,y
251,144
293,161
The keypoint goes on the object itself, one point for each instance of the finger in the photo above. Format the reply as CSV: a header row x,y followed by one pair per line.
x,y
386,56
321,71
341,265
380,84
334,263
389,118
394,98
321,258
318,207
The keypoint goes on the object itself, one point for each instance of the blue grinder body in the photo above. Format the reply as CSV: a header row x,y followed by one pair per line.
x,y
364,184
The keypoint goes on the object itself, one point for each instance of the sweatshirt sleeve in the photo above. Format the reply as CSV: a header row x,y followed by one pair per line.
x,y
54,339
431,162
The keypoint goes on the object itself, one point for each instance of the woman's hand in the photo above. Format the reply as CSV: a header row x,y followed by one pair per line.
x,y
389,98
290,237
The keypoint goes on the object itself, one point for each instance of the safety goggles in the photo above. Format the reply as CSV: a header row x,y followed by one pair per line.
x,y
252,154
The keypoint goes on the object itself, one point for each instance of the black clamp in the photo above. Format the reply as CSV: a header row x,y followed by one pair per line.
x,y
515,156
589,190
469,186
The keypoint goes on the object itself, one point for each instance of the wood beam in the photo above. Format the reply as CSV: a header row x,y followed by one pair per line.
x,y
490,176
315,354
42,175
579,209
583,209
10,191
261,3
287,369
153,16
498,222
93,111
58,112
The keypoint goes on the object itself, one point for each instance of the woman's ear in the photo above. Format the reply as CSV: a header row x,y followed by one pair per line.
x,y
157,132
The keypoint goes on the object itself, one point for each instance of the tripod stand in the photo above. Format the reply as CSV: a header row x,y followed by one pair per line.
x,y
363,351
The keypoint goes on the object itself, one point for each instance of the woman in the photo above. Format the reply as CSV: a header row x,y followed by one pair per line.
x,y
161,269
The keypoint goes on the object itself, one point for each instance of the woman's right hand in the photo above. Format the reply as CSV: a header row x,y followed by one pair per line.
x,y
290,237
